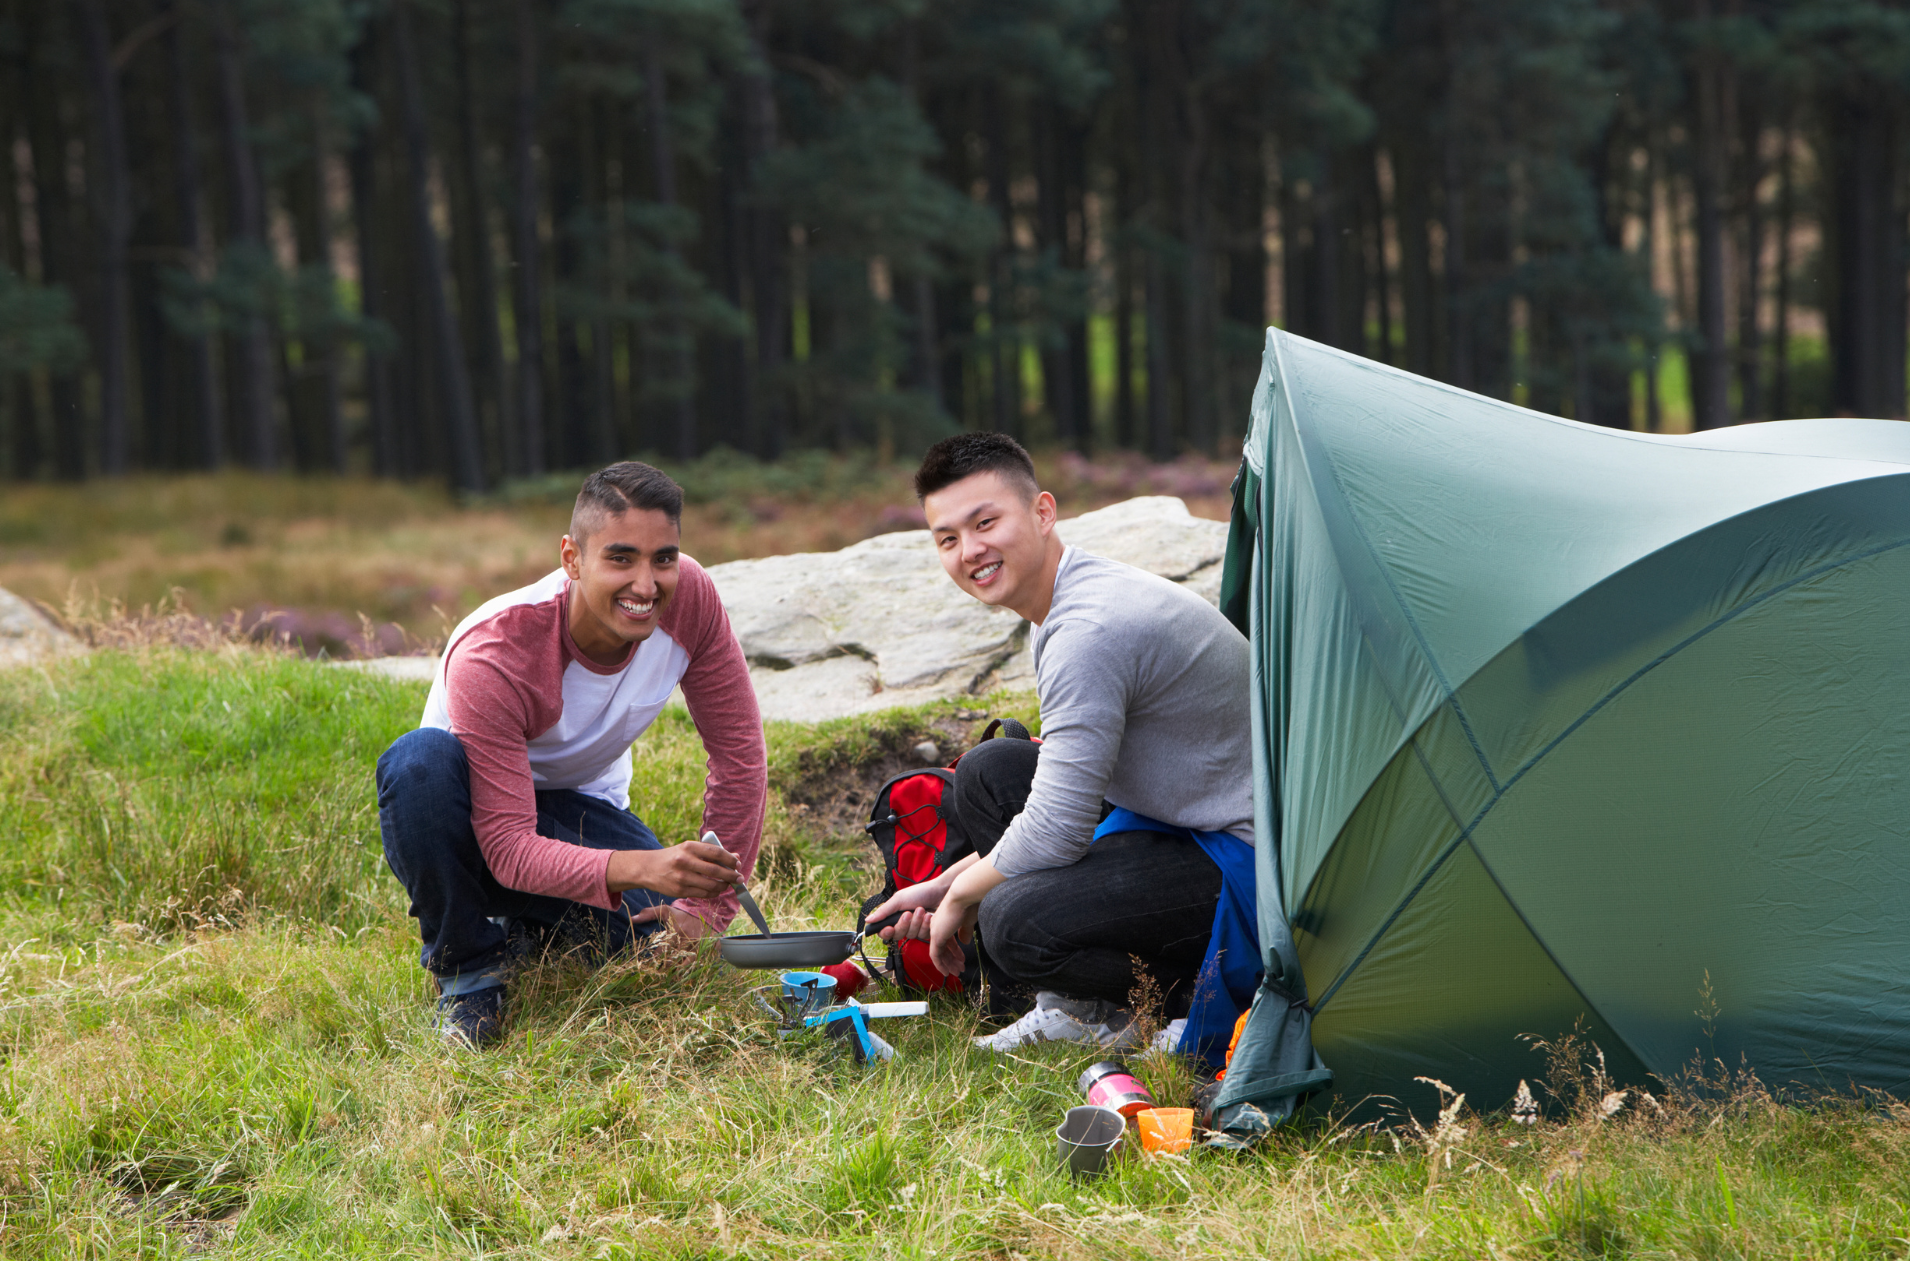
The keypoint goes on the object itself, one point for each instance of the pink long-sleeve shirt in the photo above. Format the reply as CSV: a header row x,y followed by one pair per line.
x,y
533,712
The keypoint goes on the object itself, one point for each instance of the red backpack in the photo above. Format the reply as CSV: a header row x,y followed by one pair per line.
x,y
909,824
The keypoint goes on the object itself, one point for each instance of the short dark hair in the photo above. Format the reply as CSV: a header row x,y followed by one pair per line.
x,y
625,485
967,454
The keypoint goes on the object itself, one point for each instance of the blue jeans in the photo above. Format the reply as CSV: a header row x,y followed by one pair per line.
x,y
463,913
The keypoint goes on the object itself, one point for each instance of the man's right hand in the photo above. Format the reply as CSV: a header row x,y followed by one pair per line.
x,y
916,903
689,870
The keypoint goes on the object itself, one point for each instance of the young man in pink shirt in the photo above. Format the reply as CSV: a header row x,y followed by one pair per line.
x,y
506,814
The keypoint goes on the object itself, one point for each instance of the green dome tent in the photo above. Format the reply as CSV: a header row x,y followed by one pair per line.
x,y
1555,722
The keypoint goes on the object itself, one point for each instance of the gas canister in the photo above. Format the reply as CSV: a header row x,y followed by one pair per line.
x,y
1109,1085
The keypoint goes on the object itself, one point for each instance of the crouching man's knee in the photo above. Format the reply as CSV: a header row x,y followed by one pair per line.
x,y
426,760
423,786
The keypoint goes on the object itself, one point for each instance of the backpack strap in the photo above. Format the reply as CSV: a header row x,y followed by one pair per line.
x,y
1008,727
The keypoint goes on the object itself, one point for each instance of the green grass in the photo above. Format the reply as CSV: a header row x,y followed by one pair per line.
x,y
214,1036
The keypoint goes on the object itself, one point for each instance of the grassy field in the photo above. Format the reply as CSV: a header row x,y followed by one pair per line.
x,y
318,554
216,1038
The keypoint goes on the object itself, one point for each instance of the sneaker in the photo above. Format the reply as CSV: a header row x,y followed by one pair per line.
x,y
1167,1040
1056,1018
474,1020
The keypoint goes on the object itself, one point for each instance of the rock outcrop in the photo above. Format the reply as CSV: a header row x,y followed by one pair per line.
x,y
28,635
879,624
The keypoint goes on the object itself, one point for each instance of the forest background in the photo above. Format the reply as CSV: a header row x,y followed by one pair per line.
x,y
478,240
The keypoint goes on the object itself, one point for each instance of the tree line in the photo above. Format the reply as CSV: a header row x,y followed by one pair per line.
x,y
484,239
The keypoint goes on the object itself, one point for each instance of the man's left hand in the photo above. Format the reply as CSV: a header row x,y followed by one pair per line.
x,y
952,925
954,921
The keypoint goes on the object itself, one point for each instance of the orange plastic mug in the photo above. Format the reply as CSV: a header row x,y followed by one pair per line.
x,y
1167,1129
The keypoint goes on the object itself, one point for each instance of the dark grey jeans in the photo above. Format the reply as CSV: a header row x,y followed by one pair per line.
x,y
1077,930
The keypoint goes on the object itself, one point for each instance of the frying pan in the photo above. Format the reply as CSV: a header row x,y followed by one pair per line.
x,y
788,950
764,949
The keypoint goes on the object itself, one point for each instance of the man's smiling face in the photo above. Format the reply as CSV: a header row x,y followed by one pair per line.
x,y
995,537
623,573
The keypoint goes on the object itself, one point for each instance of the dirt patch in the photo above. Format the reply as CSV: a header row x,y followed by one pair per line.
x,y
830,786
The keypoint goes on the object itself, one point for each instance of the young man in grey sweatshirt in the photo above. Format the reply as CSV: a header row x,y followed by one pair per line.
x,y
1144,706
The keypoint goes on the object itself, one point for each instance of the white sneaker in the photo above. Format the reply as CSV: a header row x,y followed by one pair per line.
x,y
1168,1039
1051,1021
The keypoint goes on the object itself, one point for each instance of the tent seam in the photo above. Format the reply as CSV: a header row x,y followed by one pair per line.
x,y
1319,1004
1464,837
1447,691
1667,655
1570,980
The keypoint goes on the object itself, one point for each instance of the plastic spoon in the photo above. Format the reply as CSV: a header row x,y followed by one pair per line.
x,y
743,895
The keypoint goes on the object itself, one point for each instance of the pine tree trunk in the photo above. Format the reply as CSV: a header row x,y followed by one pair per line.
x,y
1002,324
732,376
682,381
1200,426
1322,274
1155,106
1781,300
252,403
202,422
1122,216
454,386
1056,378
1654,344
324,402
152,253
113,208
1710,353
1866,253
572,410
1603,392
1412,208
594,146
362,163
924,369
1373,216
423,442
526,249
1347,280
1126,428
1244,303
1489,254
1074,255
22,411
1750,356
769,285
1459,315
477,274
1160,415
53,218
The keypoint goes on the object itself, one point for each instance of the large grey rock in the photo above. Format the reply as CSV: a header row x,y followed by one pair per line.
x,y
28,635
879,624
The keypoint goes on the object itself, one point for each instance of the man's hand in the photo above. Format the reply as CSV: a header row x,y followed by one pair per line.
x,y
952,925
915,903
954,921
690,870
